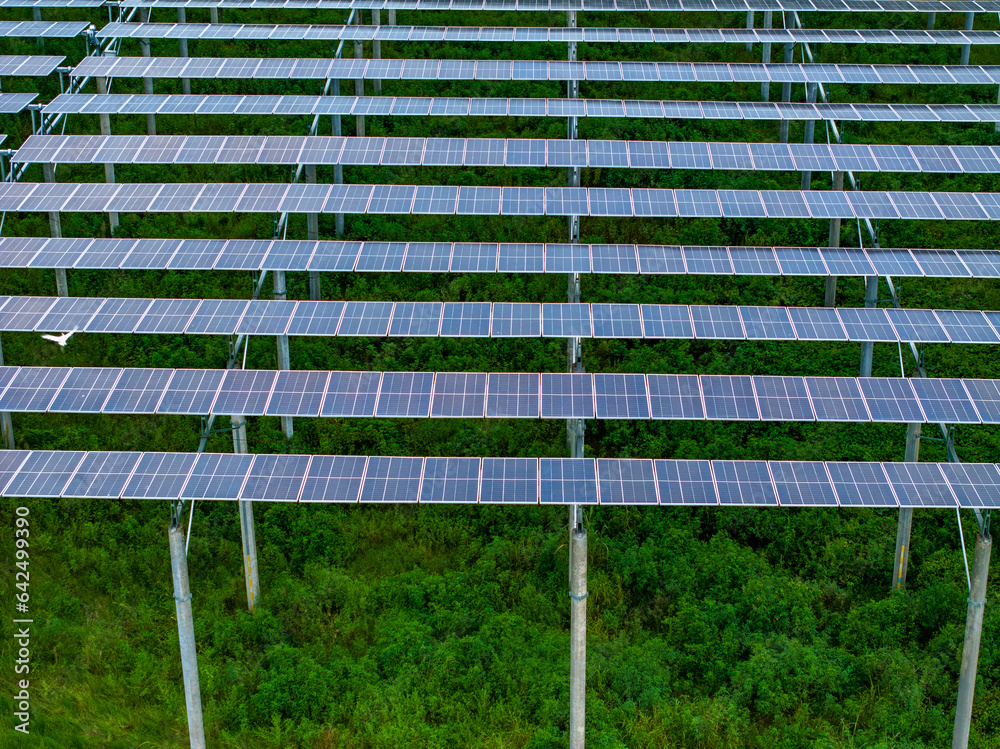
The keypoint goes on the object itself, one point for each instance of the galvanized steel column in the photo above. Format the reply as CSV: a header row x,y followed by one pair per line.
x,y
904,523
810,132
284,360
377,47
185,633
338,168
868,347
183,43
6,425
786,91
359,83
970,648
312,233
834,241
578,637
147,83
247,534
765,87
55,230
109,169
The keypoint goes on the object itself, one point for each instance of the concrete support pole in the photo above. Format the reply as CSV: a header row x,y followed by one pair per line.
x,y
749,27
55,230
905,521
786,93
36,15
109,169
213,15
969,21
338,169
765,87
246,520
312,233
810,135
185,633
6,425
578,637
147,83
284,361
392,17
183,42
830,299
930,21
970,648
359,83
377,47
868,348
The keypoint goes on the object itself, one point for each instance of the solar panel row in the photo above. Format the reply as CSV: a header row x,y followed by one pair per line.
x,y
359,478
28,65
865,6
486,201
477,257
494,319
315,393
493,107
51,3
539,34
325,150
320,68
14,103
42,29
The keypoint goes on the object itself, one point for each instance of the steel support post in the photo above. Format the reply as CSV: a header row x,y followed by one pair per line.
x,y
830,297
359,83
6,425
36,16
377,47
765,87
312,234
246,520
749,28
969,21
786,91
185,633
392,17
338,169
578,636
109,169
970,648
147,83
868,348
284,361
930,21
810,132
55,230
183,43
213,15
905,521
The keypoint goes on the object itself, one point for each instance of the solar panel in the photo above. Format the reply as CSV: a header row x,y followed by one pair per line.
x,y
919,485
297,393
275,478
392,479
217,316
10,462
217,476
717,322
729,398
986,396
803,484
567,481
567,396
333,478
512,395
450,480
621,396
85,390
316,318
44,474
744,482
404,394
837,399
974,484
617,321
861,485
509,481
666,321
945,401
137,391
767,323
867,324
917,325
891,399
567,258
817,323
159,476
459,394
626,482
462,319
566,320
783,399
32,389
245,392
351,394
191,391
365,319
102,475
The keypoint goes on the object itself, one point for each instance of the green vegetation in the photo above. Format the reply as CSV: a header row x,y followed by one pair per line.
x,y
448,626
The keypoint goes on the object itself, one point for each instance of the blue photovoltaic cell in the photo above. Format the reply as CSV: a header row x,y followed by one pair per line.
x,y
744,482
159,476
521,258
917,325
967,326
516,319
658,259
276,478
817,323
803,484
891,399
474,258
217,316
614,258
800,261
567,258
459,394
567,396
509,481
44,474
333,478
217,476
867,324
167,316
675,397
297,393
944,401
783,399
729,398
405,394
568,480
919,485
427,257
626,482
861,485
392,479
381,256
986,395
415,319
837,399
351,394
754,261
685,482
450,480
975,484
512,395
621,396
102,475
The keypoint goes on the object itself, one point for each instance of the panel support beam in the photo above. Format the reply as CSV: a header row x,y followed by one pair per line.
x,y
185,633
970,647
905,522
109,169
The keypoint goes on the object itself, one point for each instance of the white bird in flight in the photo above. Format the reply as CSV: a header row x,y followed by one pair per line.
x,y
60,339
